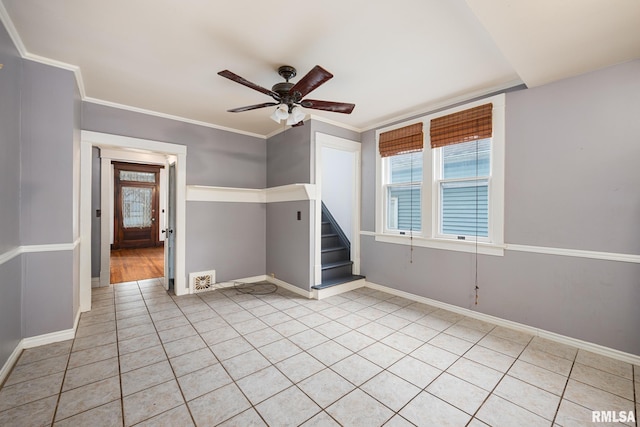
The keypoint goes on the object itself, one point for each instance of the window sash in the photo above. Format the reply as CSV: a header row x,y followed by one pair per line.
x,y
463,209
449,220
407,211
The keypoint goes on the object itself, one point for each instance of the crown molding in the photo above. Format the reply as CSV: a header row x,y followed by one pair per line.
x,y
169,116
446,103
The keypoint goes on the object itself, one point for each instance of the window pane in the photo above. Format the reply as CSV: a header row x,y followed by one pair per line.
x,y
459,160
465,208
136,207
405,168
137,176
403,207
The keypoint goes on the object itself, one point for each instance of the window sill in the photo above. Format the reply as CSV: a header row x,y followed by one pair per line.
x,y
444,244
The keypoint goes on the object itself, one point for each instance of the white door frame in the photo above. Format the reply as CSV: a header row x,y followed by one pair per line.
x,y
337,143
105,141
107,183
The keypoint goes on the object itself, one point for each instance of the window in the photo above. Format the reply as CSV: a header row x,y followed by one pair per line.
x,y
403,190
461,179
449,194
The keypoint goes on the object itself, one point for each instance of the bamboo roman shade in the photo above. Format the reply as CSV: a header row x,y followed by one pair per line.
x,y
400,141
468,125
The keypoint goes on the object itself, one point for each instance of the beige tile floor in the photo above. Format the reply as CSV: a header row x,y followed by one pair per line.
x,y
363,358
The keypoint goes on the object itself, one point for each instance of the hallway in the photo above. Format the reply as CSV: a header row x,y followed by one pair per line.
x,y
128,265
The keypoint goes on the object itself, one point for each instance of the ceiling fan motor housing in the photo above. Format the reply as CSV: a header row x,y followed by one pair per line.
x,y
287,72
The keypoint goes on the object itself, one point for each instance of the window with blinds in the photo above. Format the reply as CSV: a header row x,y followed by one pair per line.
x,y
401,150
462,148
464,189
445,184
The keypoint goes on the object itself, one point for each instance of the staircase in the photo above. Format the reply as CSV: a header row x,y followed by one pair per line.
x,y
336,253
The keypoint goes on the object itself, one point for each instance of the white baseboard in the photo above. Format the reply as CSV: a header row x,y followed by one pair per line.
x,y
36,341
67,334
13,358
584,345
289,287
338,289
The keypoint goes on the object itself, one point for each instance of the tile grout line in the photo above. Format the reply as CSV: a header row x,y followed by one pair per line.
x,y
175,378
566,384
64,377
115,315
252,405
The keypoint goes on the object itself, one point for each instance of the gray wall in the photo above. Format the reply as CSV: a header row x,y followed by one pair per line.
x,y
226,237
571,182
50,122
231,239
40,118
289,251
47,154
10,270
289,157
214,157
288,245
585,134
48,292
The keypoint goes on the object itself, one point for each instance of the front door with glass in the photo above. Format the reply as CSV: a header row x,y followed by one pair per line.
x,y
136,205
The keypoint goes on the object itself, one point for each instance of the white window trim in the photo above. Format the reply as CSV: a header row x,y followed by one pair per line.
x,y
437,200
428,237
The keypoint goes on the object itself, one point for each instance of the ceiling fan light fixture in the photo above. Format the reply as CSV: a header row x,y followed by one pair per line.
x,y
281,113
297,115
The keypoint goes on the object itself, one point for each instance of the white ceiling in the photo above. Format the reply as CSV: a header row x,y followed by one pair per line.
x,y
391,59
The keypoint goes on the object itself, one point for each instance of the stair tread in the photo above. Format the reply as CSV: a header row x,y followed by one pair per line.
x,y
333,248
330,235
338,281
336,264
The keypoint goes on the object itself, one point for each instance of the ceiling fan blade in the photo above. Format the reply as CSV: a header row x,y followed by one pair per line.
x,y
252,107
336,107
311,81
236,78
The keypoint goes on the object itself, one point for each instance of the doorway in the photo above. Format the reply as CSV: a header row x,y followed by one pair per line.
x,y
135,188
332,149
137,251
140,151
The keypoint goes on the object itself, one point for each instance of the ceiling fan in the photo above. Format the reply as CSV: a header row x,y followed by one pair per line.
x,y
288,96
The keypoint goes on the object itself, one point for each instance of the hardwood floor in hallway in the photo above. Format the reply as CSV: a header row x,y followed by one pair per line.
x,y
136,264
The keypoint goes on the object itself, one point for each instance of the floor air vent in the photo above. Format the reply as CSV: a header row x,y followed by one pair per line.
x,y
202,281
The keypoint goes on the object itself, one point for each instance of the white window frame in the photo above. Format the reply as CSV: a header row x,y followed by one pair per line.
x,y
437,197
429,236
393,206
385,190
